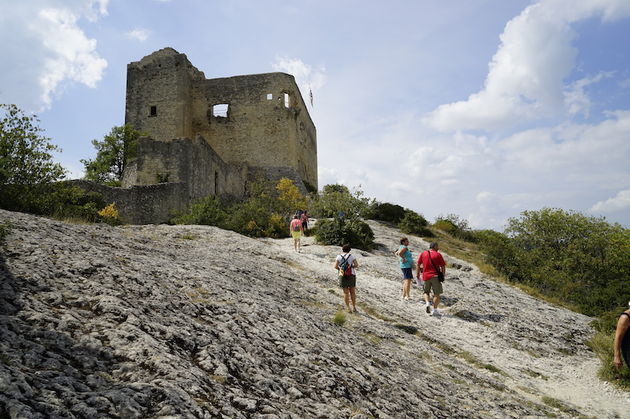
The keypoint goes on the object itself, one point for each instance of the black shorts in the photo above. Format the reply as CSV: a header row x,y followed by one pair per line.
x,y
407,274
348,281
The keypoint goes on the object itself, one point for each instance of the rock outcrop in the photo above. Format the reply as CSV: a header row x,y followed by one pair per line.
x,y
195,321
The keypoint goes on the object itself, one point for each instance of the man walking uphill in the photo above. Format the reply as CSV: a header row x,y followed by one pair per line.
x,y
433,273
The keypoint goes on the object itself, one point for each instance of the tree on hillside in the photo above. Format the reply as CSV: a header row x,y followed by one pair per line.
x,y
289,196
579,259
25,155
112,155
336,199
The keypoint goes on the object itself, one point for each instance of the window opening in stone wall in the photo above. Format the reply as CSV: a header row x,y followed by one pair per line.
x,y
153,111
286,100
220,110
216,183
269,96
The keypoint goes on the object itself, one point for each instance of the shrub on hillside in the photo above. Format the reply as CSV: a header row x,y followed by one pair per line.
x,y
454,225
337,199
414,223
387,212
265,213
582,260
337,232
208,211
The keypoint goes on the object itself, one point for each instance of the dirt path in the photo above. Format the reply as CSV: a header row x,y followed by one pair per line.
x,y
534,349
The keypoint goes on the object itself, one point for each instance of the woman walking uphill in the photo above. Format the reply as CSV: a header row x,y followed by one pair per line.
x,y
295,228
405,259
346,263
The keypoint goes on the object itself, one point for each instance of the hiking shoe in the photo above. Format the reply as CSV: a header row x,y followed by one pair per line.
x,y
428,308
435,312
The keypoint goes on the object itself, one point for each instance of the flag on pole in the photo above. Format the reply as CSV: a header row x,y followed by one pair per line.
x,y
310,94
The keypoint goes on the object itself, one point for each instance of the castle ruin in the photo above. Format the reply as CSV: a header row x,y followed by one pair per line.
x,y
255,125
209,136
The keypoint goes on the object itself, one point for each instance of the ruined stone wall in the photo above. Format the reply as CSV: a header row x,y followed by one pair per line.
x,y
167,98
192,162
159,94
142,204
262,128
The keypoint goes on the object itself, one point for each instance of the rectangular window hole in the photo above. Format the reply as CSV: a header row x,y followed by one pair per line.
x,y
286,100
269,96
153,111
220,110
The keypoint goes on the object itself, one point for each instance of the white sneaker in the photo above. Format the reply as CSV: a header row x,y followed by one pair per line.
x,y
428,308
435,312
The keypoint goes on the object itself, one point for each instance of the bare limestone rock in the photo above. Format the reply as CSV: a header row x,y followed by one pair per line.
x,y
194,321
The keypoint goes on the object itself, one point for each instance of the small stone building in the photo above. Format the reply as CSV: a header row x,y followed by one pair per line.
x,y
216,134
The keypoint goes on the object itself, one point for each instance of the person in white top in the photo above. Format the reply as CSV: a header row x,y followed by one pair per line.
x,y
347,277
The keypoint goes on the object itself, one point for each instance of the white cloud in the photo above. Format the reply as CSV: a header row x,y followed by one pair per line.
x,y
57,49
307,79
575,98
526,74
619,202
138,34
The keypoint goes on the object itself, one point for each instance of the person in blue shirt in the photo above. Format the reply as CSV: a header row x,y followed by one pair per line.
x,y
405,260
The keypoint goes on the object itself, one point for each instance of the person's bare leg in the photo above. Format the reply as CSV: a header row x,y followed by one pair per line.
x,y
427,299
346,298
353,296
407,288
436,301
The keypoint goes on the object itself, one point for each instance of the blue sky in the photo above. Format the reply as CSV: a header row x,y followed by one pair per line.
x,y
483,108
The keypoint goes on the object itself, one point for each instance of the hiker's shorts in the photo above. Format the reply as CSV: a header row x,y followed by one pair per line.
x,y
434,283
348,281
407,274
296,235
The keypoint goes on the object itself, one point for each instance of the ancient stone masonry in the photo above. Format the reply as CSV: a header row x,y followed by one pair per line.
x,y
258,121
208,136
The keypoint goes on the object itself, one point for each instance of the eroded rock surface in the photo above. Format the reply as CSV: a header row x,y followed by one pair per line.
x,y
194,321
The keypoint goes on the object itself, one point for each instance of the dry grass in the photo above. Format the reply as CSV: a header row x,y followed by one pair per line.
x,y
339,318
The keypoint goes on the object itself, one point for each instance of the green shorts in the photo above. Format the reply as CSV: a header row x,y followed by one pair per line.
x,y
296,235
348,281
434,283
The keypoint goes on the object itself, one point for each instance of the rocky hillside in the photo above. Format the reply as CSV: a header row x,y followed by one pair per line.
x,y
194,321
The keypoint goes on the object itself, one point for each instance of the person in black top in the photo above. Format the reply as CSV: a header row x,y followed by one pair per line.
x,y
622,340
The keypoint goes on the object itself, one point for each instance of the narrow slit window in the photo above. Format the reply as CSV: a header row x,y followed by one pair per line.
x,y
286,100
153,111
220,110
269,96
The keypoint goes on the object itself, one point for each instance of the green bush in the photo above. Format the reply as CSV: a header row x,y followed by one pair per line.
x,y
59,200
356,233
456,226
388,212
336,199
582,260
265,213
414,223
208,211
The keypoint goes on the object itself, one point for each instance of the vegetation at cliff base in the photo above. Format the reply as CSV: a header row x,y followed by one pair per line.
x,y
264,213
30,180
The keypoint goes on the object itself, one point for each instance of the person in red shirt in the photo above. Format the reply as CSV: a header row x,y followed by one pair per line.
x,y
295,229
432,263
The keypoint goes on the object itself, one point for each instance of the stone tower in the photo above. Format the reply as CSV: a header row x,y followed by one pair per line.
x,y
259,121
